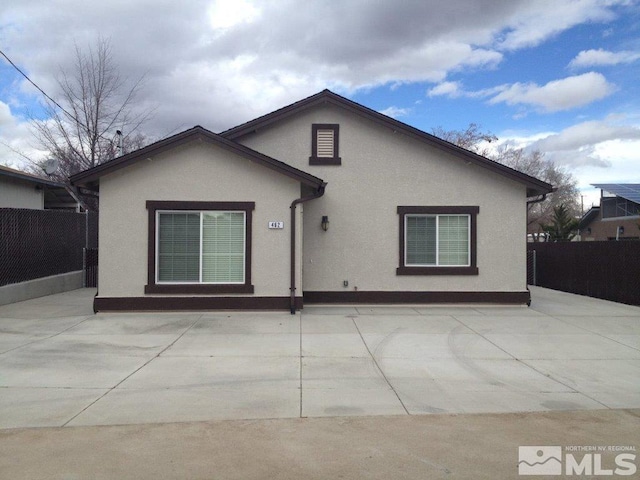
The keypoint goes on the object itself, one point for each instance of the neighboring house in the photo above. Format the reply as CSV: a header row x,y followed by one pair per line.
x,y
322,201
23,190
42,237
617,217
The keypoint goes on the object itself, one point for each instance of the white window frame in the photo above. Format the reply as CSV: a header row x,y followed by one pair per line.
x,y
201,213
437,217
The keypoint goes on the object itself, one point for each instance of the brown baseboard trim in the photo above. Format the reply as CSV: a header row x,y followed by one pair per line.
x,y
519,298
113,304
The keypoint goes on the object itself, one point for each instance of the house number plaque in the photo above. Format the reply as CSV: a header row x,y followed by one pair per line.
x,y
276,225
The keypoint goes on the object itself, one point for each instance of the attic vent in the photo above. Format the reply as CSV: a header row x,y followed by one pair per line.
x,y
324,139
324,145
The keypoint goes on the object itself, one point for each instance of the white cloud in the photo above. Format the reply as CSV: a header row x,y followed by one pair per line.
x,y
16,146
395,112
447,89
219,63
600,57
587,134
589,145
622,155
540,20
564,94
5,115
228,13
295,50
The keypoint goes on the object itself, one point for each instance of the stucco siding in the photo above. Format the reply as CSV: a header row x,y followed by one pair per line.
x,y
195,172
17,194
381,170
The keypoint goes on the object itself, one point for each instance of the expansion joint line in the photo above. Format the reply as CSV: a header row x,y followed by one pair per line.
x,y
301,359
378,367
36,340
523,362
132,373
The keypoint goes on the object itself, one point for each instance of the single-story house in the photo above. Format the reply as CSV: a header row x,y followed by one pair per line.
x,y
23,190
322,201
617,217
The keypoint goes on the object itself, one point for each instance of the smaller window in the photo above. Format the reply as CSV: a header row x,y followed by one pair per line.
x,y
437,240
324,145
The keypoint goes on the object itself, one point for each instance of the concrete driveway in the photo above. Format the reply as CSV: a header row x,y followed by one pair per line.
x,y
60,365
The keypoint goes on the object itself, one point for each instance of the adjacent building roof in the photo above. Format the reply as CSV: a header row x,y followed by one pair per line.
x,y
27,177
89,178
628,191
56,195
535,187
590,215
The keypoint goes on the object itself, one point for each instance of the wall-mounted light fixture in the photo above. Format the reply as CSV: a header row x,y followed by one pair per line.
x,y
325,223
589,230
621,230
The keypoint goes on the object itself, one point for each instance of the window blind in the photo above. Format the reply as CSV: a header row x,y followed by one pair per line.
x,y
453,240
223,247
437,240
179,247
201,247
421,240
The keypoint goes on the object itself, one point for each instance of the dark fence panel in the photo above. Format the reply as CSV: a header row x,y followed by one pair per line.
x,y
531,267
92,233
90,267
40,243
608,270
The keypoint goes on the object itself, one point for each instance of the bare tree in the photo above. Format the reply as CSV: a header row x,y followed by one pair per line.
x,y
530,162
79,130
472,138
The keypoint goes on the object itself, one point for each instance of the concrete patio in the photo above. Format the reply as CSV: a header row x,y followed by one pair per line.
x,y
60,365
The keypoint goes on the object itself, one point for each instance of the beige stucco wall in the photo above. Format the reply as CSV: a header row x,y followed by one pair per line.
x,y
382,169
195,172
17,194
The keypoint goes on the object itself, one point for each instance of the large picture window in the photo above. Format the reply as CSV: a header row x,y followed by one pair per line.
x,y
437,240
200,247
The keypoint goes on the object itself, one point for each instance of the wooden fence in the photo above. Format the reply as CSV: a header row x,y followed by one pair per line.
x,y
608,270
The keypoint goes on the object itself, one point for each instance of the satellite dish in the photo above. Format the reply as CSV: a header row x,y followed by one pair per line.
x,y
50,166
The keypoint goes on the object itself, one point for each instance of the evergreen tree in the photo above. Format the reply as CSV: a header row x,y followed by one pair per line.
x,y
563,226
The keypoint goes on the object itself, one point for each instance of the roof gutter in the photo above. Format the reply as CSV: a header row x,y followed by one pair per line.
x,y
541,198
317,194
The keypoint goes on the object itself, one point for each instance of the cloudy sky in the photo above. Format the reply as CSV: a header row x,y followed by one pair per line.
x,y
557,75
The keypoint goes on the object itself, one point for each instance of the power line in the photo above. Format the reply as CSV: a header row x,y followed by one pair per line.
x,y
74,118
40,90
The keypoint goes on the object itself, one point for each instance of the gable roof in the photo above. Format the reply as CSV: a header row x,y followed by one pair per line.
x,y
89,178
535,187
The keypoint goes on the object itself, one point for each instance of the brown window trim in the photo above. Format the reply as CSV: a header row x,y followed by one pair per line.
x,y
314,159
152,287
472,211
